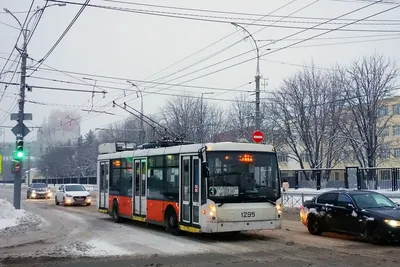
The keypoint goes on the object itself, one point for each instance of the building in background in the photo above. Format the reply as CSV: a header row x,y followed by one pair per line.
x,y
61,128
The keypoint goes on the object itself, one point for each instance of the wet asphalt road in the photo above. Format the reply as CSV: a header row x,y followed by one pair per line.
x,y
292,246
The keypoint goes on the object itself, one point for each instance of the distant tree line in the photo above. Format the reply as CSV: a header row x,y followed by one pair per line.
x,y
318,117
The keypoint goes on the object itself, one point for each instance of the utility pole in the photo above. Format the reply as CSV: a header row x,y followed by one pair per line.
x,y
141,134
20,130
258,77
20,125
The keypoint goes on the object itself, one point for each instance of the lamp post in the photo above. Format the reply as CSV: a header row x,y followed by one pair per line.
x,y
258,119
141,134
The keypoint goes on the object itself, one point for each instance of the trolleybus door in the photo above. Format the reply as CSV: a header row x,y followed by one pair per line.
x,y
190,189
139,186
103,184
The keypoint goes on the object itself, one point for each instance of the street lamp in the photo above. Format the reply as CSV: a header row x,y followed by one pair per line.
x,y
41,9
258,120
141,137
201,115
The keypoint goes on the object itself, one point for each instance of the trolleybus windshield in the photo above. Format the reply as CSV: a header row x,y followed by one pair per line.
x,y
243,177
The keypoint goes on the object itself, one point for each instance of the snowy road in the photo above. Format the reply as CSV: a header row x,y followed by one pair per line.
x,y
73,232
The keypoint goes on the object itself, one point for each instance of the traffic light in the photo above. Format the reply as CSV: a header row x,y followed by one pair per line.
x,y
15,166
19,152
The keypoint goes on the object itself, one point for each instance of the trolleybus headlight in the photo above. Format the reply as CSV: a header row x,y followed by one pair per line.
x,y
279,208
212,208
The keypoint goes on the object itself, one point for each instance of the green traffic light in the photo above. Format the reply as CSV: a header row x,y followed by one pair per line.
x,y
20,154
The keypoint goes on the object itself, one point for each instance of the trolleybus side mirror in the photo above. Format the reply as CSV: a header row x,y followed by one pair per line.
x,y
205,170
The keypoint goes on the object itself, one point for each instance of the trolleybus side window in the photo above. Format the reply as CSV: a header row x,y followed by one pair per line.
x,y
155,177
121,177
163,177
115,177
171,177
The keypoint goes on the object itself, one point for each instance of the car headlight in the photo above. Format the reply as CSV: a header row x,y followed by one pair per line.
x,y
33,191
68,195
393,223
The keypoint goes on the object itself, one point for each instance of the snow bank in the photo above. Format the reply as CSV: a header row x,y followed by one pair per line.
x,y
15,221
9,216
92,248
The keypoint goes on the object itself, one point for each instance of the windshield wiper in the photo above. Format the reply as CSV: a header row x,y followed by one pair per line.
x,y
222,203
270,201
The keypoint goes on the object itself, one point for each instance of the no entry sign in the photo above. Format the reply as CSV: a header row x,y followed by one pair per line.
x,y
258,136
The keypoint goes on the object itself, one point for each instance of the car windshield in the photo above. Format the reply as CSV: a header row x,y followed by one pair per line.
x,y
373,200
243,176
74,188
38,185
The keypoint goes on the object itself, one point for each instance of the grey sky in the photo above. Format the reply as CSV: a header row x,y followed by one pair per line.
x,y
135,46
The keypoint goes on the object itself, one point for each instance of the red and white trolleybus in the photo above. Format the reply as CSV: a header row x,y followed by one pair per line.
x,y
216,187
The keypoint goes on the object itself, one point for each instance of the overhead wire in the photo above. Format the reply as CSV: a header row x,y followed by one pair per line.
x,y
279,49
214,43
230,12
316,35
123,95
83,6
205,18
233,44
12,108
37,22
335,29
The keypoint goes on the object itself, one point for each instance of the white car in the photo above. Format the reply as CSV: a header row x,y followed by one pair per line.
x,y
72,194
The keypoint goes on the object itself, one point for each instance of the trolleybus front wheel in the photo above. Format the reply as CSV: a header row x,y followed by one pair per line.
x,y
172,225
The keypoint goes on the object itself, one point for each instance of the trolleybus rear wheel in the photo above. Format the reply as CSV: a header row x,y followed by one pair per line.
x,y
115,212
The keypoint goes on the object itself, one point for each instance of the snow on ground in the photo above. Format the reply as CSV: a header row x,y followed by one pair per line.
x,y
101,248
12,220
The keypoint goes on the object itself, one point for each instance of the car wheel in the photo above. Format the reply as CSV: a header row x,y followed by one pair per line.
x,y
115,213
172,223
375,236
56,201
314,226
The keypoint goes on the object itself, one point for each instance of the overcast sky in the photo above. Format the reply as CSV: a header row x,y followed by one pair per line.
x,y
137,46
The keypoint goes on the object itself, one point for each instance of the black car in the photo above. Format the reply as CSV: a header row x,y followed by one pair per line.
x,y
368,214
38,190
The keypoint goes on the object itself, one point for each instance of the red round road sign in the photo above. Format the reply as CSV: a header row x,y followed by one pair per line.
x,y
258,136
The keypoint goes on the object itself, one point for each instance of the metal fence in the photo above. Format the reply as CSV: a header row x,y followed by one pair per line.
x,y
295,199
349,177
68,180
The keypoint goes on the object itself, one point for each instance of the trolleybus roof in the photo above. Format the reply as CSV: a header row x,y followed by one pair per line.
x,y
181,149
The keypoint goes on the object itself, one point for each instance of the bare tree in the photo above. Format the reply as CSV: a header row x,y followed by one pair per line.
x,y
305,111
241,118
193,119
367,83
128,130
